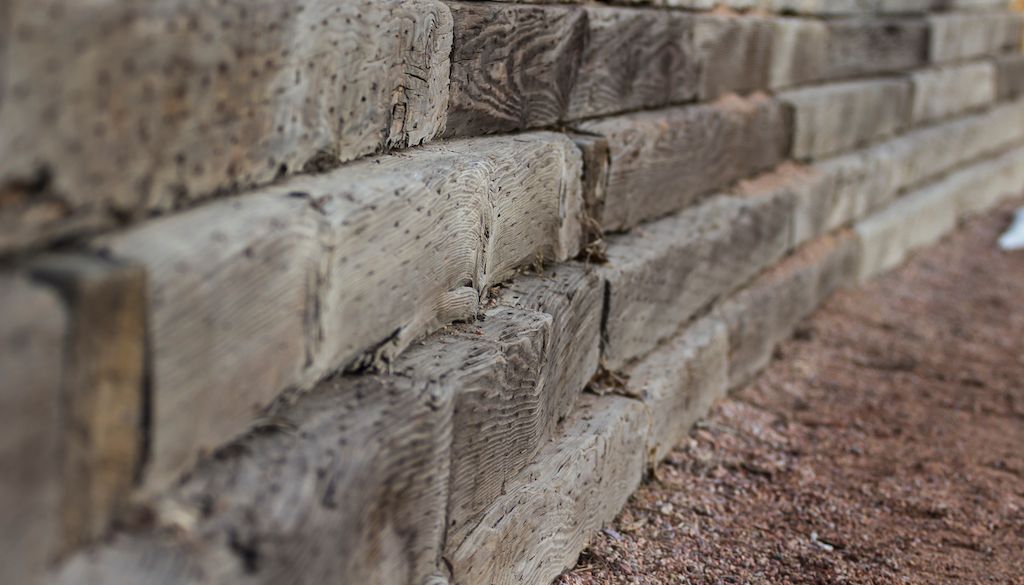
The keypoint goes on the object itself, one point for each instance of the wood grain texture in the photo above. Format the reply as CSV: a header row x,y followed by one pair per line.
x,y
573,295
596,154
948,91
834,118
663,161
964,35
634,59
501,419
764,314
33,331
735,54
660,277
513,66
277,289
858,46
538,527
679,381
348,484
103,389
115,109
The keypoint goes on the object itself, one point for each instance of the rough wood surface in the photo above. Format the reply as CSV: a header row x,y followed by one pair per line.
x,y
735,54
581,480
679,381
573,294
947,91
964,35
596,154
33,333
634,59
112,109
277,289
348,485
661,276
837,117
859,46
765,313
501,417
662,161
103,386
513,66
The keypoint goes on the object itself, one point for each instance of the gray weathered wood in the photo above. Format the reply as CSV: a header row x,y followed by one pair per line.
x,y
103,386
947,91
634,59
679,381
799,51
347,485
859,46
964,35
735,53
1010,76
596,155
501,418
581,480
764,314
113,109
660,276
573,294
33,332
662,161
925,154
513,66
924,215
837,117
277,289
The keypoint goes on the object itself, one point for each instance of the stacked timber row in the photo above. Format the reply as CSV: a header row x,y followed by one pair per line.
x,y
414,291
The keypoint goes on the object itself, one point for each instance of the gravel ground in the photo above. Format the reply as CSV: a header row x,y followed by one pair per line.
x,y
884,444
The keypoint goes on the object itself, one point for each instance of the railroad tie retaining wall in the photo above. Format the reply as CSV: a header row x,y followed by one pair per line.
x,y
416,291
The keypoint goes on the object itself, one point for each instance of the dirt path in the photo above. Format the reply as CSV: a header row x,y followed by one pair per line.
x,y
884,445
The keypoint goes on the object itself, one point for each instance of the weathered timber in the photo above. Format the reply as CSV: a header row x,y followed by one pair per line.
x,y
581,480
663,161
277,289
765,313
859,46
679,381
735,53
347,485
596,154
33,332
922,216
513,66
947,91
573,294
661,276
833,118
799,51
957,36
114,109
501,416
103,387
634,59
922,155
1010,76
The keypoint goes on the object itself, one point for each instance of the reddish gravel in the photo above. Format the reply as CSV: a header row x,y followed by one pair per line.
x,y
885,444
